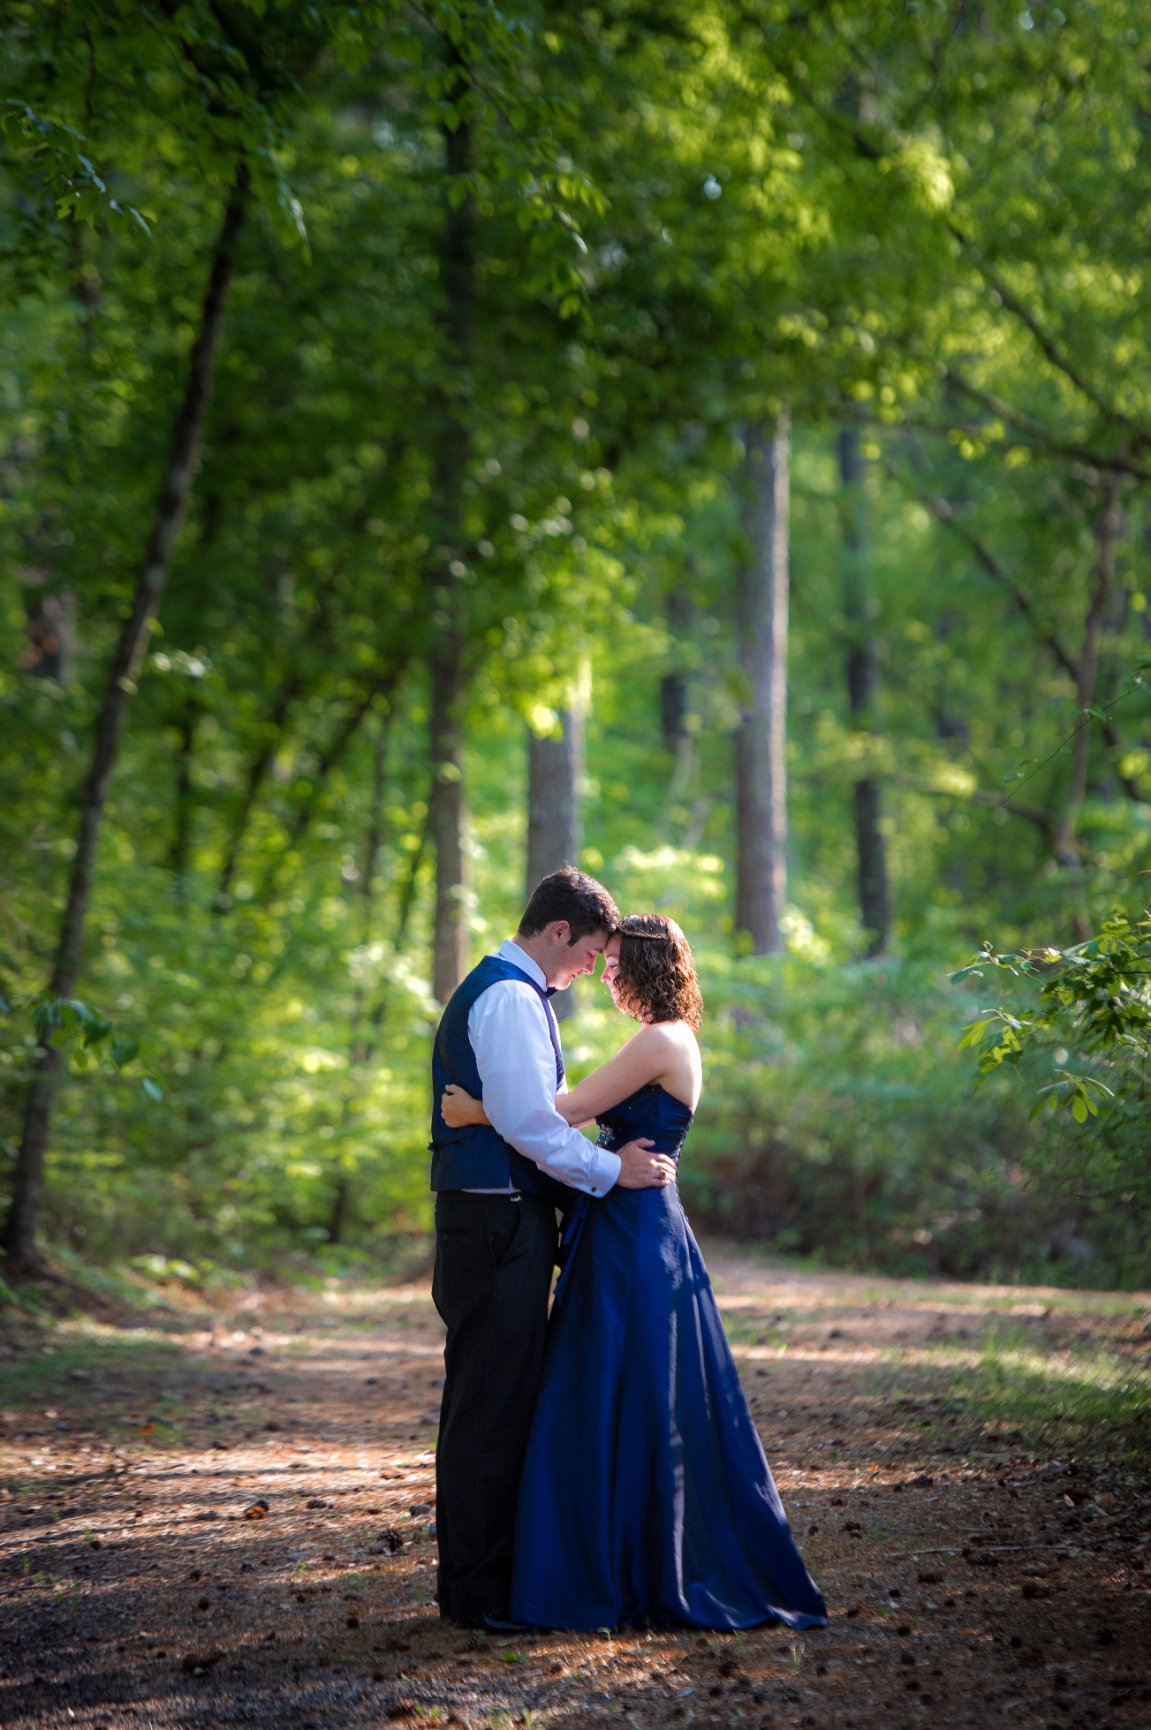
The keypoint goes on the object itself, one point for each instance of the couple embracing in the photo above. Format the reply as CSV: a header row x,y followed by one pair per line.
x,y
599,1468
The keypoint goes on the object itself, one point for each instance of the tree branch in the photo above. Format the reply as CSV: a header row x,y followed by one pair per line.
x,y
1117,463
1046,343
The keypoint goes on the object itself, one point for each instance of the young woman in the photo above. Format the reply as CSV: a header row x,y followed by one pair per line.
x,y
646,1497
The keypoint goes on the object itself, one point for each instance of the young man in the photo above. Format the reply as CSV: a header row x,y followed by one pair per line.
x,y
497,1188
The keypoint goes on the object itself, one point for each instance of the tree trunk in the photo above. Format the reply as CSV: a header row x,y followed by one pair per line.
x,y
447,812
761,775
366,886
682,614
1107,534
870,848
447,828
554,767
19,1237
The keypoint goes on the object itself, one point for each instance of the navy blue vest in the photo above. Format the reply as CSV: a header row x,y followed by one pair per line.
x,y
476,1157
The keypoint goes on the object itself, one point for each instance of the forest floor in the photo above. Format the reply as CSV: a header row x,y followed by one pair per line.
x,y
221,1513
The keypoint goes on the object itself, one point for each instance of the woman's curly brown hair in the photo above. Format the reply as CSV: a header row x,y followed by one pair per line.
x,y
656,979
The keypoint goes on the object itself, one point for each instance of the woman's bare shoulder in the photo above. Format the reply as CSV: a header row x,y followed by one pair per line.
x,y
677,1033
669,1039
656,1033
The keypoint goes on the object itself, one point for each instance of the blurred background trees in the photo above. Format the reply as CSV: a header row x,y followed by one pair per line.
x,y
714,439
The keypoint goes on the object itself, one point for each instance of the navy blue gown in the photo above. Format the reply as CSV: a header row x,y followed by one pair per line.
x,y
646,1497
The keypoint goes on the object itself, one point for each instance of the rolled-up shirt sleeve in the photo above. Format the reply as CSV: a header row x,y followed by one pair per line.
x,y
508,1031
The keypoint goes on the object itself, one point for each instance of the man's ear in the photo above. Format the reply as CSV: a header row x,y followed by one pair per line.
x,y
561,930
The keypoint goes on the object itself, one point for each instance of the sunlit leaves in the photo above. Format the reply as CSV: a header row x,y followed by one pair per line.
x,y
683,214
1094,998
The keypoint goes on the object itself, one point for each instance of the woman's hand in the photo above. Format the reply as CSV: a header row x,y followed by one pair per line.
x,y
461,1108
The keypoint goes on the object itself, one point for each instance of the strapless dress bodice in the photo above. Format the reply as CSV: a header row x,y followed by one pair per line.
x,y
651,1113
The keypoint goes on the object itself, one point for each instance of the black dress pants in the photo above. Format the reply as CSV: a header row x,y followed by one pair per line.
x,y
494,1261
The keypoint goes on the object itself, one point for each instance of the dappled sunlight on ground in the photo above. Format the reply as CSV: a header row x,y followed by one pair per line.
x,y
226,1516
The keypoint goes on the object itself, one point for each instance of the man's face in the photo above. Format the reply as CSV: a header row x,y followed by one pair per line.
x,y
570,960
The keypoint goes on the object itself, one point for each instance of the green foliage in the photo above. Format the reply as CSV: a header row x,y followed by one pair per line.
x,y
886,217
1093,996
839,1128
51,150
1080,1024
67,1022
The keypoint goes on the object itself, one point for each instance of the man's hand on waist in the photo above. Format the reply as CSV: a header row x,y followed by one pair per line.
x,y
640,1168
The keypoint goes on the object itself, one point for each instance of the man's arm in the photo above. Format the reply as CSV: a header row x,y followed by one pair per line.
x,y
508,1030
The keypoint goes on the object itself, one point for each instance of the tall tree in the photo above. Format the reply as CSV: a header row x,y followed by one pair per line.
x,y
554,767
220,88
19,1233
761,738
452,439
858,610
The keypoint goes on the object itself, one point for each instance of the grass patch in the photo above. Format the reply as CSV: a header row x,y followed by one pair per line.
x,y
1090,1394
1075,1393
90,1375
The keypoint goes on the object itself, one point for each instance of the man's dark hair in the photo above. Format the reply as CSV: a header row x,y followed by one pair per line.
x,y
572,895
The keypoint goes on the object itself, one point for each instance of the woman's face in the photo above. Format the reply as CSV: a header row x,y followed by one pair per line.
x,y
611,966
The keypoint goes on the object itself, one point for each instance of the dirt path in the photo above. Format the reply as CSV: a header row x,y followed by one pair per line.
x,y
227,1520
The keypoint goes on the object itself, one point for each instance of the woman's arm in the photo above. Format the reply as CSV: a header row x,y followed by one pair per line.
x,y
460,1108
649,1055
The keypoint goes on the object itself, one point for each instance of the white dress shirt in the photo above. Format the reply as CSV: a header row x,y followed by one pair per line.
x,y
508,1030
